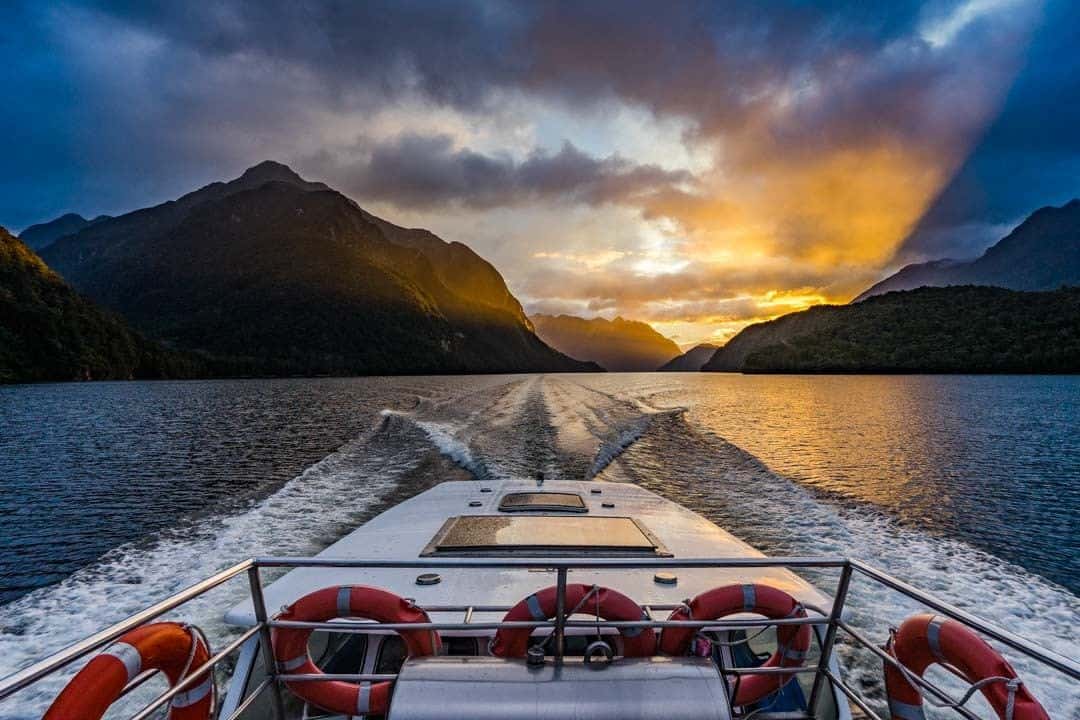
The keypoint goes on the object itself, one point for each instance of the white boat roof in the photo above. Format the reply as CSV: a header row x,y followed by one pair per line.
x,y
405,530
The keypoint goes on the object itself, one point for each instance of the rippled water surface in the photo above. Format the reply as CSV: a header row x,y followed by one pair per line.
x,y
116,494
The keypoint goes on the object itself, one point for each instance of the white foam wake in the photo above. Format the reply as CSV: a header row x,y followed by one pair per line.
x,y
443,436
304,515
628,435
781,517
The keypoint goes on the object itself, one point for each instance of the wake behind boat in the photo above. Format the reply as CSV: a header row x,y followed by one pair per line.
x,y
510,599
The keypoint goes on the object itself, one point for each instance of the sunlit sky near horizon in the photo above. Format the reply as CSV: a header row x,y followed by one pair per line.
x,y
695,165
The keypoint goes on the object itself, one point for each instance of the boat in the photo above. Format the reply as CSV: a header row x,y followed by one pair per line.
x,y
532,599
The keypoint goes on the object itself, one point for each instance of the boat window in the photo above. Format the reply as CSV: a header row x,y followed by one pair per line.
x,y
392,654
542,501
543,533
347,654
461,646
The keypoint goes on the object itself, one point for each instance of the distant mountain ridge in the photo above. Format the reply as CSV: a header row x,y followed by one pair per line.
x,y
44,234
959,329
1042,253
271,273
49,332
617,345
690,361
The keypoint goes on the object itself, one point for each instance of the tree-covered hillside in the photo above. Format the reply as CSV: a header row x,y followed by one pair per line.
x,y
49,332
962,329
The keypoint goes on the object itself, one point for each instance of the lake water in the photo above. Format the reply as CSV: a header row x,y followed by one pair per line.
x,y
116,494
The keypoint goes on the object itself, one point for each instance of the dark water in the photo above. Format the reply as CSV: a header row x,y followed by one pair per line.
x,y
116,494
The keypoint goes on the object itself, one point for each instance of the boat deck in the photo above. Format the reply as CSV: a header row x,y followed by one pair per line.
x,y
406,530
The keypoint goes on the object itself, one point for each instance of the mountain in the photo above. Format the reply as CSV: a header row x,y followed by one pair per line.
x,y
458,268
42,235
955,329
272,274
1042,253
49,332
618,345
691,360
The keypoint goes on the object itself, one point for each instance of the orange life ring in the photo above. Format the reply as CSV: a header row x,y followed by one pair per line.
x,y
172,648
792,640
925,639
346,698
606,603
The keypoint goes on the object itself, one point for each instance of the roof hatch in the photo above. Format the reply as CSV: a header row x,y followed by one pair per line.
x,y
544,535
542,501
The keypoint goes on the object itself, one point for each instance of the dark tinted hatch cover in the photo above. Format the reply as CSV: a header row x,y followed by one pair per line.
x,y
542,533
546,501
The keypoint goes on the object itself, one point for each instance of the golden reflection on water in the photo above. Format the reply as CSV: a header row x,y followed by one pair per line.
x,y
881,455
948,452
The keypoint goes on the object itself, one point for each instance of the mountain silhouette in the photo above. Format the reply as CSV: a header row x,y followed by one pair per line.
x,y
618,345
39,236
1042,253
691,360
270,273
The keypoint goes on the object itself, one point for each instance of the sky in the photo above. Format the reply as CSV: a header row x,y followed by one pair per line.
x,y
699,166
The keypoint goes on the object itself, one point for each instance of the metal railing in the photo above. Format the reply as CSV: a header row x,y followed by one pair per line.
x,y
832,621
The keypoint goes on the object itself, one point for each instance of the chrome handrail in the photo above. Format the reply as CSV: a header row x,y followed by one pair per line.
x,y
62,658
348,626
557,563
833,621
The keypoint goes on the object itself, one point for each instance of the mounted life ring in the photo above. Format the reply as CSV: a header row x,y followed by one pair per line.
x,y
792,640
355,601
172,648
925,639
604,602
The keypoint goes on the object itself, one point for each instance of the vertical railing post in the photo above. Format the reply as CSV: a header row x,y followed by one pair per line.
x,y
560,614
265,639
830,636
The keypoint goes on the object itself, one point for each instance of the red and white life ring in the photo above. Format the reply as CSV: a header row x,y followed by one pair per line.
x,y
291,645
792,640
925,639
173,648
604,602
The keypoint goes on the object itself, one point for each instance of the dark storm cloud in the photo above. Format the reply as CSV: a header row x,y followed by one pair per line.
x,y
450,51
705,60
424,171
1029,157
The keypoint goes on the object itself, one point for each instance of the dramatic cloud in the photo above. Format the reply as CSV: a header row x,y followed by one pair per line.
x,y
424,171
1029,157
698,164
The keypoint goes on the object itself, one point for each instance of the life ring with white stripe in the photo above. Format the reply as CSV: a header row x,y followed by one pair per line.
x,y
172,648
792,640
925,639
352,601
603,602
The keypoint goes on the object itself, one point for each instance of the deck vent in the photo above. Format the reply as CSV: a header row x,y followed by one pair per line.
x,y
542,502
